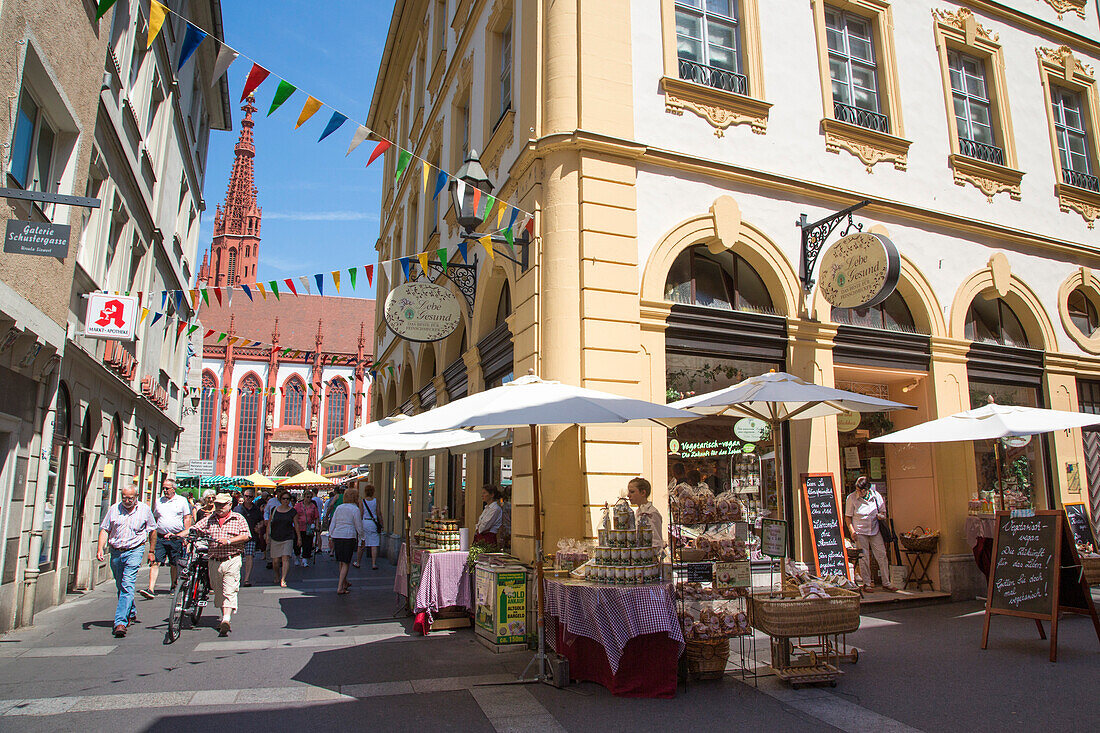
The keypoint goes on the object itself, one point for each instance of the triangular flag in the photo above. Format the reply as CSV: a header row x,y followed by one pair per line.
x,y
192,329
357,139
290,284
156,317
180,329
262,291
144,313
256,77
462,251
205,296
380,148
209,332
163,299
443,258
179,299
423,257
282,93
335,281
226,57
440,183
351,274
103,7
509,238
274,289
386,267
529,225
195,299
308,110
500,213
369,269
424,171
487,243
191,42
490,202
405,262
403,158
157,14
304,280
218,295
320,278
229,296
247,291
512,220
333,125
230,342
460,189
477,198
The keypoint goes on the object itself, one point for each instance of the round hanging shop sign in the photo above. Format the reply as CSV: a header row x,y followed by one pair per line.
x,y
751,430
848,421
859,271
422,311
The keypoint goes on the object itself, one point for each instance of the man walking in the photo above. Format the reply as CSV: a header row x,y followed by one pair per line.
x,y
228,534
173,516
126,528
254,515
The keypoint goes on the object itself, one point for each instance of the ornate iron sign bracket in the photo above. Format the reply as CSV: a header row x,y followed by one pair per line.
x,y
814,236
463,276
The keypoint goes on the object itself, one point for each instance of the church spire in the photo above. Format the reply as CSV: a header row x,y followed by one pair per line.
x,y
234,252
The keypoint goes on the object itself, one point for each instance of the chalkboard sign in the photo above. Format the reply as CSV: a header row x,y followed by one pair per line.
x,y
699,572
1079,524
823,509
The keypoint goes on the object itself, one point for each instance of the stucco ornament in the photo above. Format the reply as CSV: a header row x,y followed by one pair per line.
x,y
1001,272
270,422
720,118
1068,6
225,420
868,154
1064,57
989,186
964,20
1088,211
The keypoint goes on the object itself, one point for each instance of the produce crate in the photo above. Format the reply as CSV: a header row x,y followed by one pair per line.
x,y
1091,567
790,615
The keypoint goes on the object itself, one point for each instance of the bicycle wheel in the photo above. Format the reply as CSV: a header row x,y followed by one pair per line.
x,y
202,590
177,613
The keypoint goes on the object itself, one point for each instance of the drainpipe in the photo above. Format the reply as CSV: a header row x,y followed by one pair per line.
x,y
45,414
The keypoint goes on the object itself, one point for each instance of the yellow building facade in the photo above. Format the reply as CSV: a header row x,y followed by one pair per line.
x,y
667,149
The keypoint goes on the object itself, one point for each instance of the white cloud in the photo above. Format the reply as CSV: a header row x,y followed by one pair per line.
x,y
320,216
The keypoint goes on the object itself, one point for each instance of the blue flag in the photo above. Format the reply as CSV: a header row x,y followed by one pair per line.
x,y
190,44
405,261
462,249
333,125
440,183
320,278
179,300
247,291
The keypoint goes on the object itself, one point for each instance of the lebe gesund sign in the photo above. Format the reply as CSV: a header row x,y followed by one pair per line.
x,y
422,311
859,271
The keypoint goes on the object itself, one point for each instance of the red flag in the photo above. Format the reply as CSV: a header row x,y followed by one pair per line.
x,y
370,274
209,332
380,148
255,77
290,284
218,295
179,331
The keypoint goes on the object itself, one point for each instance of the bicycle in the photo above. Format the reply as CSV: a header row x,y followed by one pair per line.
x,y
192,587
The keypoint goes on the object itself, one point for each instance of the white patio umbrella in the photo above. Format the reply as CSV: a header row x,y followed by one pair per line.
x,y
776,397
991,422
531,402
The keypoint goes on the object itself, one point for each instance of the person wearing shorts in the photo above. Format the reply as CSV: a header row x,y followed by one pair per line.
x,y
345,530
173,515
282,533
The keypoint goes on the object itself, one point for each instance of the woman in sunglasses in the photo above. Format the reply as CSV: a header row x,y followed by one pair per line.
x,y
282,531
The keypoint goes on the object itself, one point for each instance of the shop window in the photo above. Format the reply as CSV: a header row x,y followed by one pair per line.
x,y
991,320
1082,312
248,425
724,280
892,315
111,468
208,419
57,478
294,396
1022,471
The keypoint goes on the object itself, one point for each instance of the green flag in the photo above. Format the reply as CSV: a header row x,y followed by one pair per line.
x,y
508,238
351,273
282,93
443,258
403,159
274,289
205,297
103,7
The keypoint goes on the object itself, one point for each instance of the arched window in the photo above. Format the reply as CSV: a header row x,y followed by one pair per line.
x,y
724,280
336,410
208,418
504,305
992,321
110,468
294,395
892,315
232,267
1082,312
248,425
57,477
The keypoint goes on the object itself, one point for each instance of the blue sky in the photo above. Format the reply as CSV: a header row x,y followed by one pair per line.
x,y
320,209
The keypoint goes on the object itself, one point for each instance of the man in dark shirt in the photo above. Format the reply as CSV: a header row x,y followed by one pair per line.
x,y
254,515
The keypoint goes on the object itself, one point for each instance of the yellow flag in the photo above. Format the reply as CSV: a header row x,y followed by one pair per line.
x,y
426,171
336,279
487,243
144,313
195,299
308,110
423,257
232,341
157,14
501,208
262,291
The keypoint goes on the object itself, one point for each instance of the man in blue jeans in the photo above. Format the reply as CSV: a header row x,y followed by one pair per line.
x,y
129,524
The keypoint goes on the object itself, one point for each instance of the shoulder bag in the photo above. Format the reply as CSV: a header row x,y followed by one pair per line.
x,y
376,520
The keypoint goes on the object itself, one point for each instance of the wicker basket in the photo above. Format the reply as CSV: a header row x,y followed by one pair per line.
x,y
707,658
1091,566
790,615
917,543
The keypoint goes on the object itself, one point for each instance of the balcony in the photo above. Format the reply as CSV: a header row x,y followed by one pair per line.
x,y
727,81
1081,180
981,151
864,118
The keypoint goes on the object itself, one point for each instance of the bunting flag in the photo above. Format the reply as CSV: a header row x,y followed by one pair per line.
x,y
156,317
425,170
443,258
209,332
144,313
460,190
205,297
335,281
103,7
255,78
262,291
333,125
229,297
357,139
490,202
290,284
440,183
179,330
509,238
405,262
305,284
500,213
179,300
282,93
157,14
195,299
226,57
380,148
274,289
403,158
191,41
320,278
192,329
369,269
487,243
423,257
230,342
512,221
163,299
462,250
218,295
247,292
308,110
351,274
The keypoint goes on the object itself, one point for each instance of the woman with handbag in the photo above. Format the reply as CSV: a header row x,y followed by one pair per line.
x,y
372,527
864,511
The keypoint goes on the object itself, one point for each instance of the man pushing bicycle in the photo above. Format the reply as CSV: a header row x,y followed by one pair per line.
x,y
228,533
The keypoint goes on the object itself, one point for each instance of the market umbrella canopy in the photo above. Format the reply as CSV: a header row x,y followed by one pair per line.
x,y
387,440
778,396
260,481
305,479
186,481
990,422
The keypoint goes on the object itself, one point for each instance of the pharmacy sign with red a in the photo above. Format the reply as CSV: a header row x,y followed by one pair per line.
x,y
111,316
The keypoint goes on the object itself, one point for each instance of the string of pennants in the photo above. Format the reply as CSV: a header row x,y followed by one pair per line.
x,y
215,391
431,176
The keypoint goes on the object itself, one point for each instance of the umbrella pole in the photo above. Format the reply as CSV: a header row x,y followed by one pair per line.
x,y
541,656
998,452
404,488
778,434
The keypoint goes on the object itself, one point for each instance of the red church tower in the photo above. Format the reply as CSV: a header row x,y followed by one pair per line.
x,y
233,254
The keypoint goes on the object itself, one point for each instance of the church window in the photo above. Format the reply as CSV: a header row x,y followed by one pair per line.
x,y
248,425
294,395
208,417
336,410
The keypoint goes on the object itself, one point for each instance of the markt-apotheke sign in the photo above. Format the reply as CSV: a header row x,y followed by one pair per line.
x,y
422,311
111,316
35,238
859,271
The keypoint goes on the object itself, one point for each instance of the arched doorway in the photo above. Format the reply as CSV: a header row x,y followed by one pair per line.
x,y
288,468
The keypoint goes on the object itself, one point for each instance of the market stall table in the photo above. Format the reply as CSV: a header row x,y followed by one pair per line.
x,y
626,638
443,587
979,535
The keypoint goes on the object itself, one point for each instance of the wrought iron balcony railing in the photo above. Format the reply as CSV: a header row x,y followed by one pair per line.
x,y
862,117
981,151
712,76
1081,180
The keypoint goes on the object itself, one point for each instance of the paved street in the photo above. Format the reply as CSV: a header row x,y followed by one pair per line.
x,y
304,656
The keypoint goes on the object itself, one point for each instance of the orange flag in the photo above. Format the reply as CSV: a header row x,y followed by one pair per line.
x,y
308,110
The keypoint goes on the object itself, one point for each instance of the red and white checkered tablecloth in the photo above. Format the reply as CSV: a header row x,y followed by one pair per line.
x,y
612,615
443,582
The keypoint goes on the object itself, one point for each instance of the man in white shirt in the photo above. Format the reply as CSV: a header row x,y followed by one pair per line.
x,y
862,510
173,516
